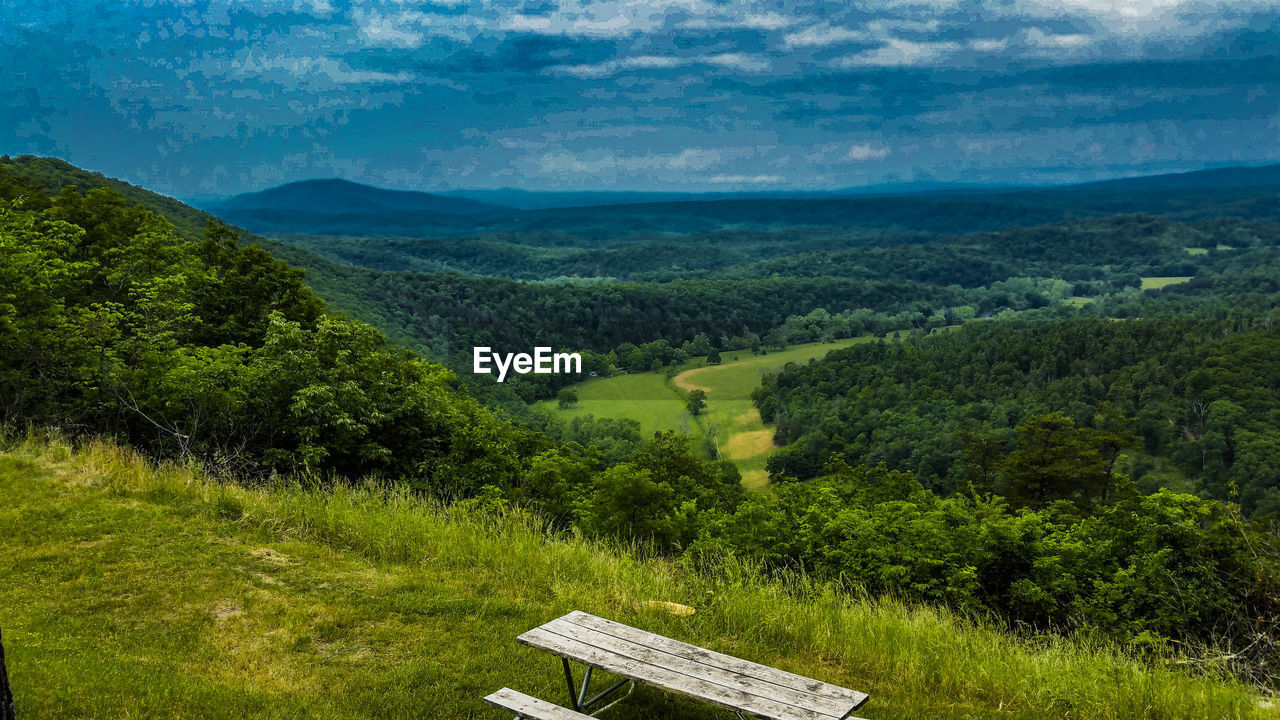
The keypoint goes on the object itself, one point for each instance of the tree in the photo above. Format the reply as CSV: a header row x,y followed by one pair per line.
x,y
567,398
982,454
1054,461
697,401
713,358
625,502
699,345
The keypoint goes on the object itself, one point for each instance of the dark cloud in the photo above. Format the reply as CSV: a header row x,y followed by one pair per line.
x,y
214,96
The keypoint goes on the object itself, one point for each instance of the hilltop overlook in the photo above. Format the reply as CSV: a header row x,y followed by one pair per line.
x,y
284,602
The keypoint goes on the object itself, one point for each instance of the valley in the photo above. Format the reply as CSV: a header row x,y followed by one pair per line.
x,y
1011,428
368,358
730,426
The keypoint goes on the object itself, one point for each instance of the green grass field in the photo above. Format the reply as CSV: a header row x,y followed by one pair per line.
x,y
1155,283
1197,251
730,420
644,397
127,591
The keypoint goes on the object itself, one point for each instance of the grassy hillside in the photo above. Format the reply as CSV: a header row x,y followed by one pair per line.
x,y
740,434
644,397
132,591
1155,283
651,401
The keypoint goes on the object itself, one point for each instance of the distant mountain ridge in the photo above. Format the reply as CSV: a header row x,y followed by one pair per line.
x,y
334,196
340,207
1226,178
559,199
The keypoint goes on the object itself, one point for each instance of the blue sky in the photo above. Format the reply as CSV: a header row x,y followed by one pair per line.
x,y
202,97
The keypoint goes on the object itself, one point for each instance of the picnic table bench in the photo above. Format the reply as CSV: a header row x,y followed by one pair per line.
x,y
637,656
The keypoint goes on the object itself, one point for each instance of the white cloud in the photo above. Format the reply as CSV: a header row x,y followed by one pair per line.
x,y
1149,19
734,61
863,152
751,21
382,31
409,29
305,70
897,52
1065,41
889,25
622,18
739,61
606,18
689,159
823,35
318,7
746,179
642,62
527,23
989,44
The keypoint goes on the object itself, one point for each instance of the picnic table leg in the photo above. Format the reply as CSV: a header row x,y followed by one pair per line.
x,y
586,682
568,678
578,695
601,695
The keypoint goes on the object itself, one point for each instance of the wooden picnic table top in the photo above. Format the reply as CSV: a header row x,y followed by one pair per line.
x,y
690,670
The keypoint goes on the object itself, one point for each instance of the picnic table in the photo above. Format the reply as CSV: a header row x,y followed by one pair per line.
x,y
638,656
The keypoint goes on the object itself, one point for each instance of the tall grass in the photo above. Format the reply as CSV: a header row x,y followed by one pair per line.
x,y
380,603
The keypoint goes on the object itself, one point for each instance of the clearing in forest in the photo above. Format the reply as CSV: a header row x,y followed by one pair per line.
x,y
1155,283
730,422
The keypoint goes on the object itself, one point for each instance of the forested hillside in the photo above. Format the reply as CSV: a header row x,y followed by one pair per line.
x,y
214,352
1013,488
738,289
1077,251
1196,391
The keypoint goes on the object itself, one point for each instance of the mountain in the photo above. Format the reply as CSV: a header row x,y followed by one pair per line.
x,y
340,197
559,199
1227,178
340,207
52,175
1216,178
336,207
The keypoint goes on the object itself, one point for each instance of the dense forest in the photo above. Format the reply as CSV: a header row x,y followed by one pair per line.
x,y
740,288
1102,470
1198,389
1112,249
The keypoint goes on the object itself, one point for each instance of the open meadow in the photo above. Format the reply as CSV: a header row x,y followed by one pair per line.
x,y
730,421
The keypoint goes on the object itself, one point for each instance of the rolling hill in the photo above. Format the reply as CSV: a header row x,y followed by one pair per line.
x,y
343,207
338,197
335,207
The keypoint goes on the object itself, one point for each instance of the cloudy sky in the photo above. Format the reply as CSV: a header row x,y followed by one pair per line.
x,y
206,97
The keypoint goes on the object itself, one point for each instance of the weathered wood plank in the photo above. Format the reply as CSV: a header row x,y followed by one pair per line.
x,y
711,673
526,706
710,657
664,678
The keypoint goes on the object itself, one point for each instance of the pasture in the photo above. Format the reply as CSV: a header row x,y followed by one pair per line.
x,y
730,422
1155,283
